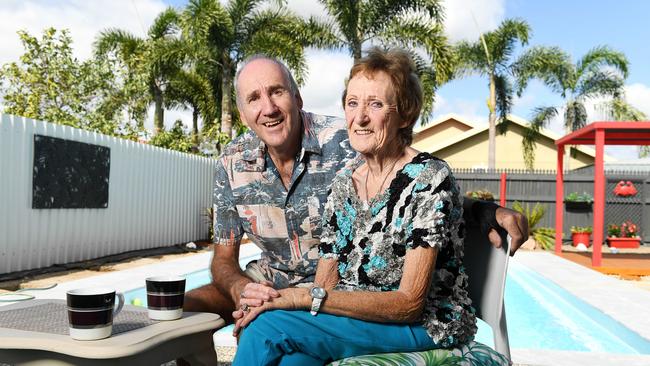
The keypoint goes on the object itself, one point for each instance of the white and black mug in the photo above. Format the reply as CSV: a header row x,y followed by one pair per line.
x,y
165,297
91,312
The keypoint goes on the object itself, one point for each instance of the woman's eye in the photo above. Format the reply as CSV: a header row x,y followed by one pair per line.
x,y
376,105
352,103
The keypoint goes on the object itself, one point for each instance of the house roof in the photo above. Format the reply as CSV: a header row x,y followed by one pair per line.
x,y
477,129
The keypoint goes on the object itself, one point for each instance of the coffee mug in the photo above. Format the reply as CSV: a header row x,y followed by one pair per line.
x,y
165,297
91,312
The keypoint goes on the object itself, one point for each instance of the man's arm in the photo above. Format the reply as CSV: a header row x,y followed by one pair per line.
x,y
492,217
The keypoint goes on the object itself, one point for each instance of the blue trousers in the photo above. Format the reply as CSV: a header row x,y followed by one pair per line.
x,y
286,338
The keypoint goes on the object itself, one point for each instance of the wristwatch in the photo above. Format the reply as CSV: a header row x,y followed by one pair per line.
x,y
317,295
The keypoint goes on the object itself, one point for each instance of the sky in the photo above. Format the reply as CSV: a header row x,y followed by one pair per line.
x,y
576,26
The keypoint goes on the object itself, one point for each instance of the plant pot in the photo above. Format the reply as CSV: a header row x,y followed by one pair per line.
x,y
623,242
580,206
584,238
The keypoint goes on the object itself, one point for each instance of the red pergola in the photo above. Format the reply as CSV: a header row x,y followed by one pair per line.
x,y
599,134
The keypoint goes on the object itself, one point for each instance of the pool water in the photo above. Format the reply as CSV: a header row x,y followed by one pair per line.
x,y
540,315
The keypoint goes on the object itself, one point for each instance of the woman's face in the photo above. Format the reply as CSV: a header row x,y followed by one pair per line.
x,y
371,113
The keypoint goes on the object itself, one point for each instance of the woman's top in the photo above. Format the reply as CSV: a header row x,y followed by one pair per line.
x,y
421,207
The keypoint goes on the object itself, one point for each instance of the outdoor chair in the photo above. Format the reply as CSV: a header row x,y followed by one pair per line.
x,y
486,267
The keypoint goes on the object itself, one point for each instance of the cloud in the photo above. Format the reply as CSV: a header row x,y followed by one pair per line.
x,y
84,19
638,95
465,20
324,85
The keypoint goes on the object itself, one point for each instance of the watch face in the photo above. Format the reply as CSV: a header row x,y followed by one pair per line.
x,y
317,292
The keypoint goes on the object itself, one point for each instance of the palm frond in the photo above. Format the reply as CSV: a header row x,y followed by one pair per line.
x,y
504,94
502,42
575,115
165,24
617,109
601,56
599,83
550,65
471,59
541,117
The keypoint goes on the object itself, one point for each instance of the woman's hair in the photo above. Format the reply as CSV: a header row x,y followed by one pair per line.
x,y
399,67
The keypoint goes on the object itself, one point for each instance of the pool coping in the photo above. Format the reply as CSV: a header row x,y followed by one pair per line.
x,y
623,301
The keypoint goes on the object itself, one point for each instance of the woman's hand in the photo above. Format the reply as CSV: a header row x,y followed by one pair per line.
x,y
289,299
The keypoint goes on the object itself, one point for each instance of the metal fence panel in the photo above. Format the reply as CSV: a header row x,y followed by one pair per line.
x,y
530,188
157,198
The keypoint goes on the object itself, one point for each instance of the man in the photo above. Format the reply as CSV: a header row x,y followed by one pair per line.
x,y
271,184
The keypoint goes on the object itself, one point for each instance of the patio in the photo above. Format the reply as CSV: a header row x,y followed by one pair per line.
x,y
633,312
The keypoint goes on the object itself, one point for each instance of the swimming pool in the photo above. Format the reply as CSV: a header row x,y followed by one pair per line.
x,y
540,315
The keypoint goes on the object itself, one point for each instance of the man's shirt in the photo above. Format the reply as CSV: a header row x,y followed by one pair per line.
x,y
249,198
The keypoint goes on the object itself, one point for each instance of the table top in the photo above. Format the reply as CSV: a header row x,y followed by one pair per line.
x,y
43,325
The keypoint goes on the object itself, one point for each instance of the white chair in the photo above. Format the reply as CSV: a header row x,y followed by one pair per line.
x,y
486,266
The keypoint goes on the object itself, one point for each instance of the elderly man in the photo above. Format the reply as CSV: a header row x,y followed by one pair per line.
x,y
271,184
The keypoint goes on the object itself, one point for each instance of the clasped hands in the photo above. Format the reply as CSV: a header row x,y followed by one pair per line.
x,y
258,297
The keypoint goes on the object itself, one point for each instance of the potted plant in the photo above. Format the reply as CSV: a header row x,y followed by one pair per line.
x,y
581,234
578,201
480,194
623,236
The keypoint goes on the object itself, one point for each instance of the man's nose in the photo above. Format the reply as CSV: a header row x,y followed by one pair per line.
x,y
268,105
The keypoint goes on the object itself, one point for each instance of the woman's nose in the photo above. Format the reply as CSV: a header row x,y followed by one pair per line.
x,y
361,115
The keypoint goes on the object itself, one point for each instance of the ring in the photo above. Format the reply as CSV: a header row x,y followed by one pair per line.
x,y
244,308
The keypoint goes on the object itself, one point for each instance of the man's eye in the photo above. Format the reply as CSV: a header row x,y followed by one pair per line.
x,y
252,99
278,92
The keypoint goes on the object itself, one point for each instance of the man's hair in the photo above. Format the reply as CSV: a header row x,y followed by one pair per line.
x,y
400,68
293,86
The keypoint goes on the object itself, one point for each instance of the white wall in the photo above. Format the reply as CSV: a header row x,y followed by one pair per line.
x,y
157,198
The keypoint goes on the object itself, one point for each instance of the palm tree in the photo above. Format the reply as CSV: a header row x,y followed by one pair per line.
x,y
150,62
223,36
189,89
601,72
413,24
618,109
491,56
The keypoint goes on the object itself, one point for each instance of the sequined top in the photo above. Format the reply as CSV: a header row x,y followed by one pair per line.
x,y
421,207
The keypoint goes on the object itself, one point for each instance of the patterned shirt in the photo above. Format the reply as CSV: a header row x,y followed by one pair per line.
x,y
249,198
421,207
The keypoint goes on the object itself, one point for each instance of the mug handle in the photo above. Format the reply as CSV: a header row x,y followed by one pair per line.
x,y
120,297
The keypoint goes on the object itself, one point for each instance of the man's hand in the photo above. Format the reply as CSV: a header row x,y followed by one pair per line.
x,y
253,296
515,224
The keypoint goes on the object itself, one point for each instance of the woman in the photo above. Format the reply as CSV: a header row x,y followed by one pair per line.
x,y
392,219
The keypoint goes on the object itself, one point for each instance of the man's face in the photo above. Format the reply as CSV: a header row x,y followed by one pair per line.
x,y
268,106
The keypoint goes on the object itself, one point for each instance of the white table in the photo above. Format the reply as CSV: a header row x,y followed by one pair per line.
x,y
35,333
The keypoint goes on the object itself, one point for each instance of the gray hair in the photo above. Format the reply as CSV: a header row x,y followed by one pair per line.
x,y
293,86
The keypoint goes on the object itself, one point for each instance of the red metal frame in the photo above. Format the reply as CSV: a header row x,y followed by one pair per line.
x,y
599,134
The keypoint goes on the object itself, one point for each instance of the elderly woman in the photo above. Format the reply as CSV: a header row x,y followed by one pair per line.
x,y
390,277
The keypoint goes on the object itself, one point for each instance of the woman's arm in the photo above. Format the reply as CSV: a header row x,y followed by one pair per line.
x,y
401,306
404,305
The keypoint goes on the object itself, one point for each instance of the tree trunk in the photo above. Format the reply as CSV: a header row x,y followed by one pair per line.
x,y
492,120
226,97
158,119
195,126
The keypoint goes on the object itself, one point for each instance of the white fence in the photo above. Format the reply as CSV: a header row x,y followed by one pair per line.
x,y
157,198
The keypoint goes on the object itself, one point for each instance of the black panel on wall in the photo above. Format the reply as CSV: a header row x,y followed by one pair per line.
x,y
69,174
